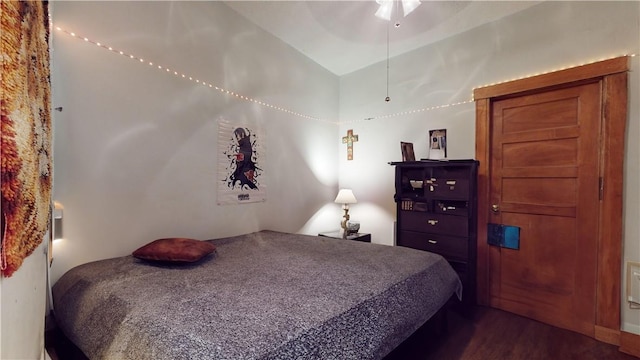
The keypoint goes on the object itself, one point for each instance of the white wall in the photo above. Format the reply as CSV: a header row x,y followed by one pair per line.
x,y
136,147
23,299
543,38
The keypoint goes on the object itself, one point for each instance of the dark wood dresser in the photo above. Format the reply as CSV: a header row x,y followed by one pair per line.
x,y
436,211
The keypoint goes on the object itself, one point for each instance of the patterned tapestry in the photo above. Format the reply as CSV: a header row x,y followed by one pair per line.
x,y
241,151
25,130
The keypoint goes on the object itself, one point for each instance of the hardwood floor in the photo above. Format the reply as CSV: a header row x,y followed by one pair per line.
x,y
488,334
496,334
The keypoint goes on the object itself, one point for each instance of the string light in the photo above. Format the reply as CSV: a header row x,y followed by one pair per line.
x,y
411,112
492,84
278,108
551,71
191,78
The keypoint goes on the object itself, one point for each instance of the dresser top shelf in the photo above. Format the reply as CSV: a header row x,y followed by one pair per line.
x,y
438,163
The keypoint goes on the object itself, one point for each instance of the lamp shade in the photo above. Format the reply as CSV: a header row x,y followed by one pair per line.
x,y
384,11
57,220
345,196
386,7
409,5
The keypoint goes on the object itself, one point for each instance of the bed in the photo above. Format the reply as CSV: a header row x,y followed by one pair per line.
x,y
264,295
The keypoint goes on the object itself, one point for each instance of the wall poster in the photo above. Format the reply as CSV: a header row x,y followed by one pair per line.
x,y
240,156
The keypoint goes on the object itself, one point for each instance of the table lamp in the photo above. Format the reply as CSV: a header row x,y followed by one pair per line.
x,y
345,197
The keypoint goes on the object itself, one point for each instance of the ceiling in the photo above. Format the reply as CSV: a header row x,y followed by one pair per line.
x,y
344,36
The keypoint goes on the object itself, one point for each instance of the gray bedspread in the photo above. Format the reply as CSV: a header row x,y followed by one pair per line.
x,y
266,295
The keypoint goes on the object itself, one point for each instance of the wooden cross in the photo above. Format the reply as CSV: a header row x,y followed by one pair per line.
x,y
349,140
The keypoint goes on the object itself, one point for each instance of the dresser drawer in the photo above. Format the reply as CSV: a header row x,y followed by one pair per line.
x,y
452,207
434,223
451,247
447,188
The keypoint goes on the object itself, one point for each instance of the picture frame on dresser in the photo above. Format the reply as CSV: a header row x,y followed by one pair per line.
x,y
438,144
407,151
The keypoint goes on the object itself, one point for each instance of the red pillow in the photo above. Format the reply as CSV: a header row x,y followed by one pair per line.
x,y
175,250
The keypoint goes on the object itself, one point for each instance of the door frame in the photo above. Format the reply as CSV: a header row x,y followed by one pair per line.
x,y
612,74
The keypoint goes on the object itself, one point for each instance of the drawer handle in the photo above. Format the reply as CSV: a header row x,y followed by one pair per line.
x,y
432,183
432,241
432,222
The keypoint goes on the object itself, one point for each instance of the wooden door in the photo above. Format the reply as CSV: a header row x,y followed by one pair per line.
x,y
550,195
545,180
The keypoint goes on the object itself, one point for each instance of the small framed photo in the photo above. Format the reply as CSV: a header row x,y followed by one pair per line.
x,y
438,144
407,151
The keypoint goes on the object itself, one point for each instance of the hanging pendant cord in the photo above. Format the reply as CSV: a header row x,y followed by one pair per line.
x,y
387,99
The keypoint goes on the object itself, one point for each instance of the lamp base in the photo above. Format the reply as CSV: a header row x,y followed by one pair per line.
x,y
345,219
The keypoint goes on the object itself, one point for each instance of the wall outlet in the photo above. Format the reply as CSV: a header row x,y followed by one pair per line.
x,y
633,284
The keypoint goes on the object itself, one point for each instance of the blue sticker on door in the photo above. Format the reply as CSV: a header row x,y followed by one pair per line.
x,y
506,236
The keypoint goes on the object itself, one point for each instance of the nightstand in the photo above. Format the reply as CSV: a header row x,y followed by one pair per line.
x,y
338,235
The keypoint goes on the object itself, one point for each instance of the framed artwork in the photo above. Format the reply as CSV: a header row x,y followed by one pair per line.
x,y
438,144
407,151
240,156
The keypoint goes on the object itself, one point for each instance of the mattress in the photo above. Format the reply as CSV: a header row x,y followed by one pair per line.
x,y
264,295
